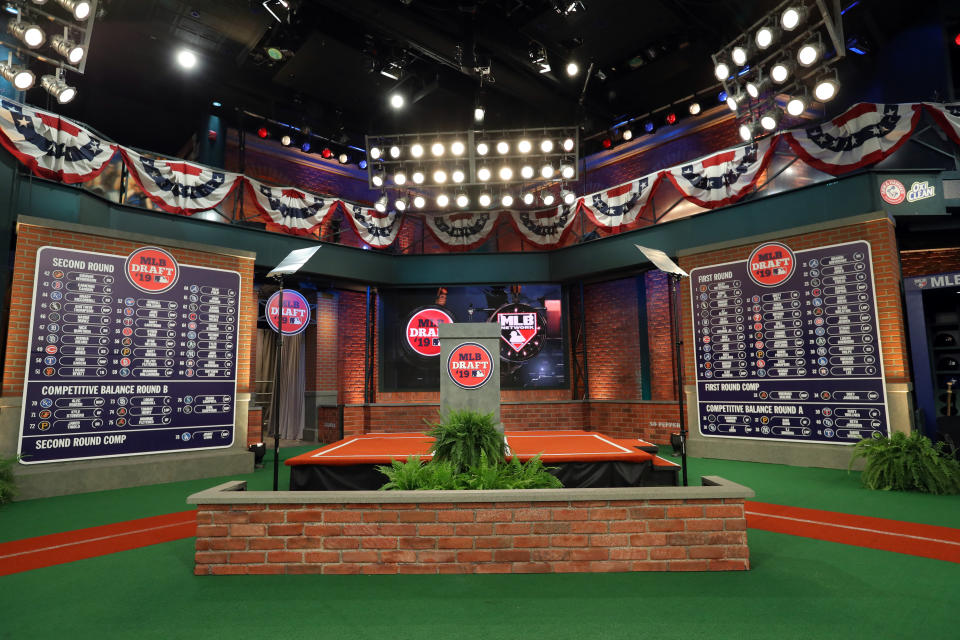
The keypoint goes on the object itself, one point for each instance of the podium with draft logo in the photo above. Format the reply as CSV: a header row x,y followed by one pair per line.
x,y
469,368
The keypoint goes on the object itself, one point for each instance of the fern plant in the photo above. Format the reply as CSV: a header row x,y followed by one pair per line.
x,y
907,463
463,436
486,473
8,484
412,475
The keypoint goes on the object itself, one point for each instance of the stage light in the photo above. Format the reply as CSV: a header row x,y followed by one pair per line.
x,y
546,146
671,118
722,71
401,204
568,197
748,130
956,40
442,200
70,50
756,87
399,178
797,105
19,76
548,199
458,176
524,146
362,164
505,173
771,118
463,200
781,71
506,200
478,113
375,153
342,158
80,9
528,198
29,34
739,55
567,172
694,108
376,179
502,147
397,101
439,176
381,204
547,171
826,88
526,172
483,174
606,143
572,69
305,147
262,132
649,126
484,199
791,17
419,202
326,153
809,53
765,36
394,152
568,144
418,177
186,59
626,134
437,149
217,104
457,148
285,140
734,101
483,149
416,150
722,96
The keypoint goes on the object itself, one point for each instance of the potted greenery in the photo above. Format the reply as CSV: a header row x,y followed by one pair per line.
x,y
907,463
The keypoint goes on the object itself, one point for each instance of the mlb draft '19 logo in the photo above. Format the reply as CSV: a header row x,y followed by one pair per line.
x,y
152,270
470,366
423,331
771,264
296,312
522,332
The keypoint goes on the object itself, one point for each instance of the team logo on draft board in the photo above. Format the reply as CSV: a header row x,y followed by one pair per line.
x,y
892,191
771,264
152,270
470,366
423,330
522,331
920,283
296,312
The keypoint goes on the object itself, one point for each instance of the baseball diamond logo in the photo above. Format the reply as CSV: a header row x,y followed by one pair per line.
x,y
522,331
771,264
470,365
152,270
423,330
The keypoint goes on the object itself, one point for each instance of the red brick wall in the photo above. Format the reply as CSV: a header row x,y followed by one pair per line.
x,y
921,263
612,331
31,237
663,385
511,537
351,326
326,347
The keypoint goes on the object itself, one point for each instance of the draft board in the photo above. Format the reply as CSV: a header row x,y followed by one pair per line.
x,y
122,362
788,347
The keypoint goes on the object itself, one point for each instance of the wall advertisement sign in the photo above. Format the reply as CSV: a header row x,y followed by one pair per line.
x,y
128,355
788,346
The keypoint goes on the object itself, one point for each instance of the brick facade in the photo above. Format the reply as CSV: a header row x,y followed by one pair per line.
x,y
925,262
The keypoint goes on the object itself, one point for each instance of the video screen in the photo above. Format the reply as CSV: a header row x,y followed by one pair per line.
x,y
533,353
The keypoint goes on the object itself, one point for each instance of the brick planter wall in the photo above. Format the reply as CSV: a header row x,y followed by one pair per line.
x,y
542,531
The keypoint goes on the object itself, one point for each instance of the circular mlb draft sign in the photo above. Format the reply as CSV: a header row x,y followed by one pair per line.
x,y
296,312
470,365
422,331
152,270
892,191
771,264
522,331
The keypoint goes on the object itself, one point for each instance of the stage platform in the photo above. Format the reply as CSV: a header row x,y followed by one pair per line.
x,y
582,459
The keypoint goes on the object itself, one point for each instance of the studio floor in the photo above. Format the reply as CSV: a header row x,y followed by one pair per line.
x,y
798,587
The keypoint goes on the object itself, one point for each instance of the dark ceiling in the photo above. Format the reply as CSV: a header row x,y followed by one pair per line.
x,y
644,55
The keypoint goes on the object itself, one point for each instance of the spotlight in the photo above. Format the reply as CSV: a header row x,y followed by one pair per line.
x,y
286,140
401,204
326,153
526,172
437,149
80,9
484,200
58,88
399,178
506,200
538,56
381,203
566,172
396,101
305,147
791,17
375,153
547,171
19,76
796,105
547,199
722,71
342,158
671,118
457,148
478,113
502,147
739,55
780,71
262,132
546,146
419,202
528,198
606,143
458,176
394,152
734,101
826,88
442,200
568,197
217,104
416,150
771,118
765,36
809,53
418,177
30,34
626,134
649,126
186,59
506,173
483,149
463,200
694,108
572,69
439,176
70,50
722,96
362,164
756,87
749,130
524,146
376,179
483,174
568,144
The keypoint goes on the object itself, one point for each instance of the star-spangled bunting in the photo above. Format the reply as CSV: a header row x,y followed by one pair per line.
x,y
177,186
290,209
947,116
864,134
546,228
621,205
722,178
378,230
52,147
462,230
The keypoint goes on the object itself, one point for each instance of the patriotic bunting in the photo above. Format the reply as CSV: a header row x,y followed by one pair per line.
x,y
723,178
546,228
179,187
290,209
865,134
622,204
52,147
378,230
947,116
463,230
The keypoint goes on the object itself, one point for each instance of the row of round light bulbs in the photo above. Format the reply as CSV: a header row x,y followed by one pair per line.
x,y
458,148
766,35
484,174
462,200
807,56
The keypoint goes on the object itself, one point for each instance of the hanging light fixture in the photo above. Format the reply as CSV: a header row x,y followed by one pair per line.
x,y
27,33
17,75
826,88
70,50
401,204
792,17
771,118
797,104
810,53
381,203
79,9
58,88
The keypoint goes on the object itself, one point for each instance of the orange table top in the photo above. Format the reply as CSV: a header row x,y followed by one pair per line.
x,y
551,446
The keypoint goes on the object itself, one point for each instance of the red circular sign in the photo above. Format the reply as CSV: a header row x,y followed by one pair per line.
x,y
470,366
152,270
771,264
296,312
892,191
423,331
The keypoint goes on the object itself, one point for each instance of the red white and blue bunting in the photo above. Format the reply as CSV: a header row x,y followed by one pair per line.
x,y
463,230
722,178
864,134
177,186
621,205
947,116
290,209
546,228
52,147
378,230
